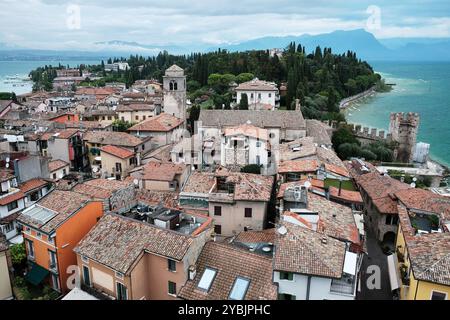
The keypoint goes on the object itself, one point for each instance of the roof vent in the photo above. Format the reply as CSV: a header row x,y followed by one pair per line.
x,y
282,230
324,240
267,249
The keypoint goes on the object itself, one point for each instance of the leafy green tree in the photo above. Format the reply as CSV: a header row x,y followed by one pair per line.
x,y
343,135
245,77
348,150
18,254
121,125
243,104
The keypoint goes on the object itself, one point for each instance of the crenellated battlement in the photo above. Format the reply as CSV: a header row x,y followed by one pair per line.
x,y
365,133
404,128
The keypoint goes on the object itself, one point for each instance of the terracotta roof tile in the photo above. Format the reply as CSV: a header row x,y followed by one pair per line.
x,y
32,185
257,85
230,263
265,236
248,130
429,253
379,188
100,188
117,151
167,199
63,203
117,242
11,198
161,123
298,166
335,220
319,185
118,139
304,251
346,195
424,200
160,171
57,164
200,182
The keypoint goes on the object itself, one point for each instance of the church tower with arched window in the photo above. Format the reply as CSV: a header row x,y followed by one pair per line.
x,y
175,92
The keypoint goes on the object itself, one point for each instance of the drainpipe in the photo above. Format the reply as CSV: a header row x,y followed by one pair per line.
x,y
308,288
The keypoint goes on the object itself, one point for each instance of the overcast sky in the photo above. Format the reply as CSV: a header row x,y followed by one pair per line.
x,y
54,24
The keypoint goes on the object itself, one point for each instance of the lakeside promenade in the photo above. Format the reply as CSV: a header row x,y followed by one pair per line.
x,y
347,101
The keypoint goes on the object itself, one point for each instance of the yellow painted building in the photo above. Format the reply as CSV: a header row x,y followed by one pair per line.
x,y
423,262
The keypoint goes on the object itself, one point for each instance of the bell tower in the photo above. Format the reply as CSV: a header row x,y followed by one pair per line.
x,y
175,92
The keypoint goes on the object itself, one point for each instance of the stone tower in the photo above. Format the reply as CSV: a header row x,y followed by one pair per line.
x,y
404,129
175,92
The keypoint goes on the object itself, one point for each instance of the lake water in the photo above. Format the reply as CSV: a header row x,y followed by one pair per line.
x,y
13,74
420,87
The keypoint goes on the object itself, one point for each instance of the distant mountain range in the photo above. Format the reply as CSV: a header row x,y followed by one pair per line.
x,y
360,41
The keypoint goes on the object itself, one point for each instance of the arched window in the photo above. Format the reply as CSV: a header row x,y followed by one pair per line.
x,y
171,86
175,86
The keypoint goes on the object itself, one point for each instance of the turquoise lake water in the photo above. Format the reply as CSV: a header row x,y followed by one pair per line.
x,y
420,87
20,69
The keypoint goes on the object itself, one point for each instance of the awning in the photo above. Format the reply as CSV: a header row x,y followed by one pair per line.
x,y
36,274
394,276
350,262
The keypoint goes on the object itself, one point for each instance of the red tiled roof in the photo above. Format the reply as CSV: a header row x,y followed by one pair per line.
x,y
230,263
248,130
424,200
379,188
117,151
336,169
162,171
298,166
11,198
319,185
57,164
161,123
32,185
305,251
6,175
347,195
265,236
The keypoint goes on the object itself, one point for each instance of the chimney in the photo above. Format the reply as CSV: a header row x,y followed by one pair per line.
x,y
340,187
297,105
192,272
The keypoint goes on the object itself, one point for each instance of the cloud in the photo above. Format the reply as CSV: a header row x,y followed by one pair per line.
x,y
43,23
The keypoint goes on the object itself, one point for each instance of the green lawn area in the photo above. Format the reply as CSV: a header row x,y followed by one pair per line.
x,y
346,185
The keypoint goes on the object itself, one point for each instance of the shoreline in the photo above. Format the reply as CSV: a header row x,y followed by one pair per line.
x,y
347,102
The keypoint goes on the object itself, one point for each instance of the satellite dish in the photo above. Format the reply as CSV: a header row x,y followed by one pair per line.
x,y
8,159
413,185
414,179
308,184
136,181
7,165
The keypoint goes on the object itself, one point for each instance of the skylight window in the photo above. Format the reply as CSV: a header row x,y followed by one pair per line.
x,y
239,289
207,279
